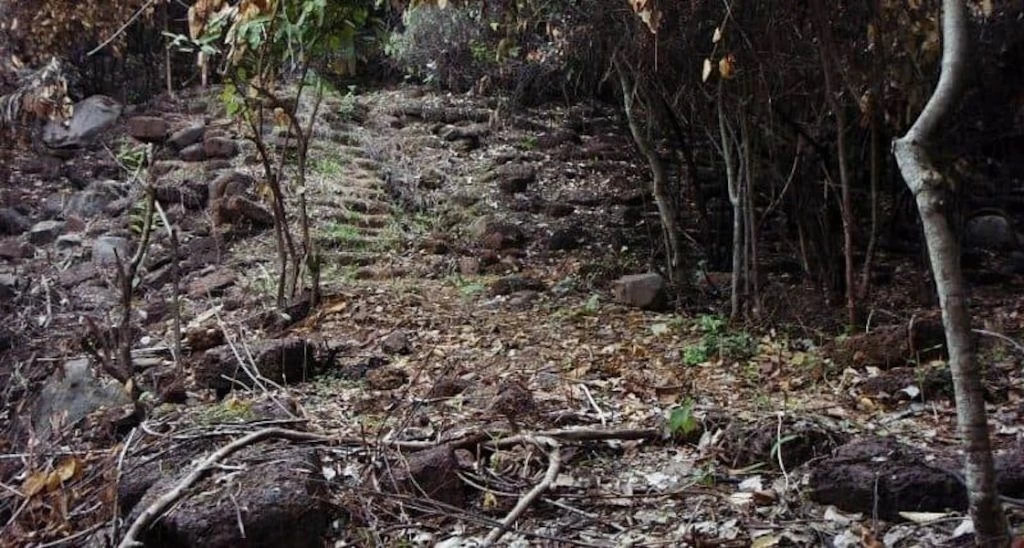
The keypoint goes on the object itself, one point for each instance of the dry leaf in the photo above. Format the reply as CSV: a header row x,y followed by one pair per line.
x,y
717,36
727,66
706,71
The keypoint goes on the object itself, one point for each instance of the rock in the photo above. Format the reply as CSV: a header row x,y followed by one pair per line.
x,y
512,178
69,241
78,274
204,337
431,179
94,200
514,284
431,473
567,238
386,378
278,498
892,345
181,193
231,183
558,209
160,168
280,360
212,284
396,343
11,249
193,153
45,232
91,118
471,131
148,129
108,250
497,235
469,266
883,477
447,388
236,209
435,244
647,291
13,223
8,287
220,147
73,393
187,136
993,232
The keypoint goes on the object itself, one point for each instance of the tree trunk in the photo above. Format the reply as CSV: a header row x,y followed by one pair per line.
x,y
666,205
930,191
736,199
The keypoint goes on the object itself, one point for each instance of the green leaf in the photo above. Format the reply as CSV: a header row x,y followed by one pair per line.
x,y
681,420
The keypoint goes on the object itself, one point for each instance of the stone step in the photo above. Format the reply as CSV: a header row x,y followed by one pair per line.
x,y
352,258
367,206
364,221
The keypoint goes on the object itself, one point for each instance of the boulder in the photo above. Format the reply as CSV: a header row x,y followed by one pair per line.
x,y
11,249
212,284
92,117
280,360
45,232
430,473
514,284
73,393
220,147
148,129
108,250
565,239
512,178
647,291
12,222
94,200
396,343
231,183
497,235
193,153
993,232
278,498
187,136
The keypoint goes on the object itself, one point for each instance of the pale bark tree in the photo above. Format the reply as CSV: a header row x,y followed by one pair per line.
x,y
931,192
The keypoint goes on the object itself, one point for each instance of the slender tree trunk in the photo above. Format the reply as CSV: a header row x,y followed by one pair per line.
x,y
930,191
828,65
666,205
735,198
869,254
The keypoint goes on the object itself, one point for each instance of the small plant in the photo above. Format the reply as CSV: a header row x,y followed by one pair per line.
x,y
681,421
529,142
716,342
133,158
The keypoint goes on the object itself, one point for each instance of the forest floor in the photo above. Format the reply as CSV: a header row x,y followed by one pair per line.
x,y
469,364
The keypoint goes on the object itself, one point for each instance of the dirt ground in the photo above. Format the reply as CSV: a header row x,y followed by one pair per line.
x,y
468,350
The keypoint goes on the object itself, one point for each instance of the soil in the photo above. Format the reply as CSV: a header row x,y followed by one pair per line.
x,y
468,267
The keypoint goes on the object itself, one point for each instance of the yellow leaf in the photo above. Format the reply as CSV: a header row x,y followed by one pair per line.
x,y
706,71
34,484
490,501
68,469
717,36
986,8
727,67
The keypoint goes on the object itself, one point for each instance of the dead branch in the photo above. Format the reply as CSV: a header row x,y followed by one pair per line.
x,y
554,464
167,499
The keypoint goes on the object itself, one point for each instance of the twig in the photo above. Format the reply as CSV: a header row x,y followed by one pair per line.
x,y
554,464
167,499
76,536
778,449
1000,336
590,398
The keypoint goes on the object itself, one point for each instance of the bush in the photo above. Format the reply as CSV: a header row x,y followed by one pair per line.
x,y
444,47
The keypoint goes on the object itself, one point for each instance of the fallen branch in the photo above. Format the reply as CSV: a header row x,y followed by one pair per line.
x,y
167,499
554,464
